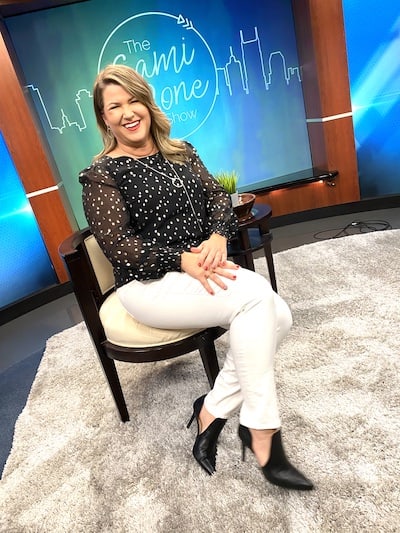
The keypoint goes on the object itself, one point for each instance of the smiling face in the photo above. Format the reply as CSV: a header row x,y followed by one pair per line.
x,y
128,119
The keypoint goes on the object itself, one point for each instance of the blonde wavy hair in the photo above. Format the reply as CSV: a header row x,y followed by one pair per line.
x,y
134,84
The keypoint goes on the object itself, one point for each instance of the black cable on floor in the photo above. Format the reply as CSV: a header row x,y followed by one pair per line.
x,y
354,228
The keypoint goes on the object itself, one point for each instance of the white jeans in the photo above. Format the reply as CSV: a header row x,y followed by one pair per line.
x,y
257,318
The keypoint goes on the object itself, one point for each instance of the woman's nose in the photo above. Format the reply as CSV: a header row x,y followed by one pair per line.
x,y
128,112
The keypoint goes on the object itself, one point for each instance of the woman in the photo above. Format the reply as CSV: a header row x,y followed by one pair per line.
x,y
164,223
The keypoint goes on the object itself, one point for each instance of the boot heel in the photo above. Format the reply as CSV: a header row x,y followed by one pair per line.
x,y
243,452
191,420
197,405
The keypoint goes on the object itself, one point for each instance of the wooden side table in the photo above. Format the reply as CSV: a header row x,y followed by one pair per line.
x,y
254,234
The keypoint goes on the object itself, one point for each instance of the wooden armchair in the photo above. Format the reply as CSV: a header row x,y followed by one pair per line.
x,y
116,335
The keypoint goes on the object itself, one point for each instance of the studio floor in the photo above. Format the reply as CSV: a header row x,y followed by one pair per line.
x,y
23,340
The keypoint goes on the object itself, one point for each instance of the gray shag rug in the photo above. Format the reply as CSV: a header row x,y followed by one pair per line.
x,y
74,467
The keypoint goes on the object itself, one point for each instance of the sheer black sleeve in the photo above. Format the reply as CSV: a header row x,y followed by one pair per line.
x,y
110,223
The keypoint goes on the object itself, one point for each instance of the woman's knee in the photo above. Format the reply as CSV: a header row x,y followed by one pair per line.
x,y
248,290
254,283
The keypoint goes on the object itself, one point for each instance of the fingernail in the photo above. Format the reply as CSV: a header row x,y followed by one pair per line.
x,y
233,277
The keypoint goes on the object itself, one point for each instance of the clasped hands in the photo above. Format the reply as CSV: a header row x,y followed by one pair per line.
x,y
208,261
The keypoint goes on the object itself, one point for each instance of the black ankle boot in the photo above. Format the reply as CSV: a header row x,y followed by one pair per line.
x,y
278,470
205,445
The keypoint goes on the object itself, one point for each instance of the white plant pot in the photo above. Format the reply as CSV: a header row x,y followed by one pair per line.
x,y
235,199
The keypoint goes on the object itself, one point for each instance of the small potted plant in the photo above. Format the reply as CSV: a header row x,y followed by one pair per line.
x,y
229,181
241,203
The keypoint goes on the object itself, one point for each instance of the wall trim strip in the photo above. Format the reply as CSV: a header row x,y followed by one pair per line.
x,y
43,191
332,117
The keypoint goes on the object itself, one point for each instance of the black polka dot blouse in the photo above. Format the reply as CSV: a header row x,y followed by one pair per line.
x,y
143,216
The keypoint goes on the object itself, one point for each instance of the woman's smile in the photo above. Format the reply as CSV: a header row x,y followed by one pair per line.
x,y
132,126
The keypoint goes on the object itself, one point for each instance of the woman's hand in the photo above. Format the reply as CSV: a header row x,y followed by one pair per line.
x,y
212,253
191,265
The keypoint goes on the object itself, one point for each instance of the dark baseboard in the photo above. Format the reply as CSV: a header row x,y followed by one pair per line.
x,y
370,204
25,305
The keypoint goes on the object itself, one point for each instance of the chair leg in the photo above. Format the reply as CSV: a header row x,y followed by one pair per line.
x,y
270,261
209,357
114,383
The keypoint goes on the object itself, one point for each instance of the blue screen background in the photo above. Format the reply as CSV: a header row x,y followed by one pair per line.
x,y
25,267
373,47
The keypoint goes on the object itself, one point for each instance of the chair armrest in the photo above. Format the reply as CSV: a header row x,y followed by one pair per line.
x,y
69,245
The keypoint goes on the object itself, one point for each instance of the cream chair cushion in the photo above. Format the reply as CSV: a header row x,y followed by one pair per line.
x,y
101,265
122,329
119,326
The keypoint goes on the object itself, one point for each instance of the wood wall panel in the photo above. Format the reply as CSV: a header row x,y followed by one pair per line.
x,y
323,56
326,31
299,198
339,154
31,160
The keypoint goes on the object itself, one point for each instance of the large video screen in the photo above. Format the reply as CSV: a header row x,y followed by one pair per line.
x,y
373,49
226,73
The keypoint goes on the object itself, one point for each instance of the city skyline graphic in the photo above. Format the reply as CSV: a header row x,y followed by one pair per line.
x,y
233,76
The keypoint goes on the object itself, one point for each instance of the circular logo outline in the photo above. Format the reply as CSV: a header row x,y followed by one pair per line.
x,y
177,18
